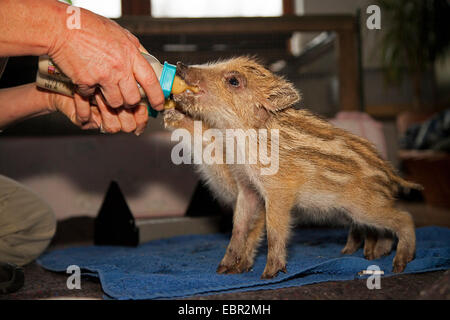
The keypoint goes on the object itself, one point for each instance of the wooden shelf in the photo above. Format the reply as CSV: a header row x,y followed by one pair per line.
x,y
344,25
145,25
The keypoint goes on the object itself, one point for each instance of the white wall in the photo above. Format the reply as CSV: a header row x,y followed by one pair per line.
x,y
106,8
208,8
72,173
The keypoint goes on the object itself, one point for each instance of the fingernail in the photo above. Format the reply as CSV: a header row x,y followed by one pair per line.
x,y
89,126
159,107
82,120
129,107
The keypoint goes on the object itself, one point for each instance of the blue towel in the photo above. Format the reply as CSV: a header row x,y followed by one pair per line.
x,y
186,265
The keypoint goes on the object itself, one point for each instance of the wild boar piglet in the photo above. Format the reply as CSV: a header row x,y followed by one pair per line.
x,y
320,168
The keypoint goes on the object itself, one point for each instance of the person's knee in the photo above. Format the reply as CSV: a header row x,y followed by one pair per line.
x,y
27,224
39,234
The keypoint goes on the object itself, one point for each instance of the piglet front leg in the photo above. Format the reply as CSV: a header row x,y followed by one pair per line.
x,y
278,206
174,119
248,226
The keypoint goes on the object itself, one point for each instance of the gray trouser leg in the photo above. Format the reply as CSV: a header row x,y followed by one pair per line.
x,y
27,223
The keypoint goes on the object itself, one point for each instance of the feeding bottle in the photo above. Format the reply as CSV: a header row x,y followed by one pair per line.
x,y
51,78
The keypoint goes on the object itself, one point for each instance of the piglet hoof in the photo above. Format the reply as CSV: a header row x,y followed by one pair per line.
x,y
270,274
222,269
233,269
398,267
399,264
172,118
370,255
401,260
348,250
383,248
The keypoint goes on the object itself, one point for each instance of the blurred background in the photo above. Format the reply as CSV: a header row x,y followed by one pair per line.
x,y
390,85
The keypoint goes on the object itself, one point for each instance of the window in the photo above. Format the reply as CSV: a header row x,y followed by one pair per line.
x,y
106,8
208,8
190,8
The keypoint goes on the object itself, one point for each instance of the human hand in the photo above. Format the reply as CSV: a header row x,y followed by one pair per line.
x,y
103,54
102,117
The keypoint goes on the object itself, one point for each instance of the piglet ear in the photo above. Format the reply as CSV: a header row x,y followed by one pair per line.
x,y
281,96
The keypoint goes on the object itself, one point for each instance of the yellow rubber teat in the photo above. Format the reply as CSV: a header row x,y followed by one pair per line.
x,y
169,104
179,86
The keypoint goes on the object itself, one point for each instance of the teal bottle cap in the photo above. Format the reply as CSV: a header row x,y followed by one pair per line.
x,y
151,112
166,82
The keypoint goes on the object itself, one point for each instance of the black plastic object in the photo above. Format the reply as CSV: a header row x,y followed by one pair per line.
x,y
115,224
11,278
204,204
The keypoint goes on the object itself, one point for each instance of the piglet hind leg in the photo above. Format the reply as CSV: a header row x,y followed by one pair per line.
x,y
377,243
401,225
354,240
370,241
248,225
383,246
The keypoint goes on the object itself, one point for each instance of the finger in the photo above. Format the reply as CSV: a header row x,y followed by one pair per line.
x,y
65,105
112,95
110,120
130,91
82,108
127,120
146,77
142,49
141,118
85,90
95,122
90,126
96,117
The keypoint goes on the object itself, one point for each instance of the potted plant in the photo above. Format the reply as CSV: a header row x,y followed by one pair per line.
x,y
415,34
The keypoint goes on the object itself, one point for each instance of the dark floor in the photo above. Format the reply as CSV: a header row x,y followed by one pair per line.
x,y
42,284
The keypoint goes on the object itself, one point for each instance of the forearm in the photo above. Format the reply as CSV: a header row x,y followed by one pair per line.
x,y
29,27
20,103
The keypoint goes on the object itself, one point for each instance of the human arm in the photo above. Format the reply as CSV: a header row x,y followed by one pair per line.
x,y
100,54
27,101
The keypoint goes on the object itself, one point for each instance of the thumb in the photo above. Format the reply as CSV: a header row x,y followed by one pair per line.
x,y
142,49
66,105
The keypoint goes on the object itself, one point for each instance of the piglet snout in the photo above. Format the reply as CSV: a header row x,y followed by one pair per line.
x,y
182,70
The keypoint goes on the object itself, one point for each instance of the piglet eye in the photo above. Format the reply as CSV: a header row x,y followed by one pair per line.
x,y
233,81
